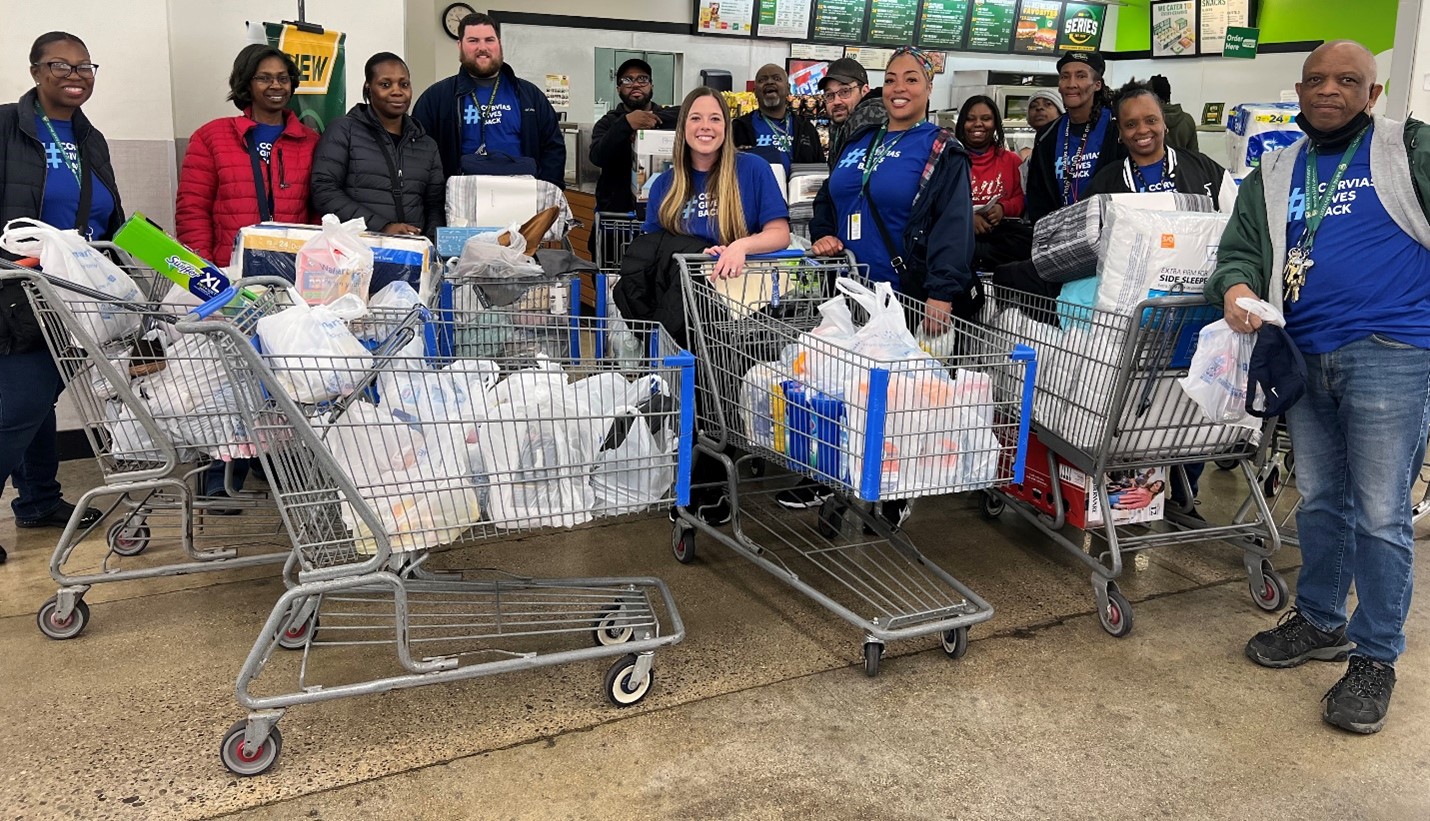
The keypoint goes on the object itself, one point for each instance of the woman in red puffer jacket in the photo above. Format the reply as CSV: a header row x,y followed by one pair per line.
x,y
1000,235
239,171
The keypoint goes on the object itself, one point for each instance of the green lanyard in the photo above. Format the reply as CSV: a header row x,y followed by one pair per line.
x,y
75,166
878,152
482,111
784,136
1318,205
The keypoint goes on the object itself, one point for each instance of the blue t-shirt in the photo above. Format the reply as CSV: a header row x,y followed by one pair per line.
x,y
1152,180
264,136
1369,276
61,198
759,195
774,139
892,184
1089,137
500,130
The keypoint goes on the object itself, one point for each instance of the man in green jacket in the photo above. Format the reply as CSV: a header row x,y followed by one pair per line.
x,y
1334,230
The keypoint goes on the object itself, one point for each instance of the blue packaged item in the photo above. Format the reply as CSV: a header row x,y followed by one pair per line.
x,y
828,416
451,240
797,422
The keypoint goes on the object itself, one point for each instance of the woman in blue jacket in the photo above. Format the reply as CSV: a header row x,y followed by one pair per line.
x,y
922,245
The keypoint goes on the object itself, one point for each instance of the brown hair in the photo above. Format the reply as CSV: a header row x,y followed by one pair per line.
x,y
721,184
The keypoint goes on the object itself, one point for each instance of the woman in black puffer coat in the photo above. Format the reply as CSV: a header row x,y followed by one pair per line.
x,y
377,164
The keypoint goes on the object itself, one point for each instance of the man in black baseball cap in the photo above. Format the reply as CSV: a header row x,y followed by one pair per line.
x,y
849,102
611,138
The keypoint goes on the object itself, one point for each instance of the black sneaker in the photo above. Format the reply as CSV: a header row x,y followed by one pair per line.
x,y
60,516
715,514
3,555
220,511
1358,702
807,494
895,512
1294,641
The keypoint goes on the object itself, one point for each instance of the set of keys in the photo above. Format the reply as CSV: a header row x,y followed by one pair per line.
x,y
1297,261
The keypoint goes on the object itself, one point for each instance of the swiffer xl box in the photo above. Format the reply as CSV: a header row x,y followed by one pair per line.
x,y
1136,497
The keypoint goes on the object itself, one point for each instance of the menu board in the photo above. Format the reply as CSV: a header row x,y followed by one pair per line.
x,y
1174,28
891,22
942,23
1216,17
788,19
728,17
1036,31
1082,27
839,21
990,25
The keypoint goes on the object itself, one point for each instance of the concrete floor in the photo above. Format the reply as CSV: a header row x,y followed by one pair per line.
x,y
763,711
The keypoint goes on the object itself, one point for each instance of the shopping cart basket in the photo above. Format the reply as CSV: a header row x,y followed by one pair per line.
x,y
480,317
897,431
154,411
613,234
1107,400
369,484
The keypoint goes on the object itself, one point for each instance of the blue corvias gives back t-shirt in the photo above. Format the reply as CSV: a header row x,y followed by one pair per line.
x,y
500,130
1369,276
891,185
774,140
264,136
759,195
61,198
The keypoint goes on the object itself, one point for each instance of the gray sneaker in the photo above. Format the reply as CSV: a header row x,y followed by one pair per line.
x,y
1295,641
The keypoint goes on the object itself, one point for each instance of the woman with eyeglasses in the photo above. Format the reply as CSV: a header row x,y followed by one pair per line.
x,y
240,171
55,167
1001,235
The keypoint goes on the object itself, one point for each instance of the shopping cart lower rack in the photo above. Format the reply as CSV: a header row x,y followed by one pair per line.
x,y
155,410
870,430
1106,401
428,450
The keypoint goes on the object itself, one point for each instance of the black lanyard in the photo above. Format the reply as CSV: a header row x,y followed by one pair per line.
x,y
482,111
263,188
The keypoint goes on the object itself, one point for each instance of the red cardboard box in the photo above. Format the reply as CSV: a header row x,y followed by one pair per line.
x,y
1136,496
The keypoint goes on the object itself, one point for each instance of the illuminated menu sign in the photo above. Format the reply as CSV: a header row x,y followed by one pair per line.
x,y
943,23
840,21
990,25
1037,27
891,22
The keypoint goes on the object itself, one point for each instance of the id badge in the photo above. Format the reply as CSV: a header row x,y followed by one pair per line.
x,y
855,227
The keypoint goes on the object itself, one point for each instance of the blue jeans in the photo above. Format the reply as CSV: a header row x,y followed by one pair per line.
x,y
1359,435
213,479
29,454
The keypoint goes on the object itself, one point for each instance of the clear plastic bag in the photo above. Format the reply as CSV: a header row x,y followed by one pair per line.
x,y
311,350
1218,374
66,255
334,263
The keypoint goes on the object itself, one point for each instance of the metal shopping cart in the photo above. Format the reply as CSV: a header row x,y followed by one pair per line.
x,y
484,317
613,234
898,430
1106,403
369,484
154,413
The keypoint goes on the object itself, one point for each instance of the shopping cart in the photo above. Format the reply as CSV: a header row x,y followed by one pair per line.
x,y
369,484
899,431
154,414
480,317
1107,401
613,234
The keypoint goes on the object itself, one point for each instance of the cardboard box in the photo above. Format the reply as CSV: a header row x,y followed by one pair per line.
x,y
450,241
1083,507
271,249
653,153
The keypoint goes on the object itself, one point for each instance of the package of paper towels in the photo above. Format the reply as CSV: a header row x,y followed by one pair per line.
x,y
486,200
1153,253
1257,129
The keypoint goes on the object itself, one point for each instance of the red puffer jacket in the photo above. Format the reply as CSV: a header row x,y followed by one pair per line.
x,y
217,195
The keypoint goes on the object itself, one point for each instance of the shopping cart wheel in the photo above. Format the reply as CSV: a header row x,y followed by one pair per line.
x,y
1289,461
128,537
245,762
54,627
1226,464
682,543
1116,617
831,517
1270,594
609,628
873,654
620,688
990,505
297,636
955,642
1272,485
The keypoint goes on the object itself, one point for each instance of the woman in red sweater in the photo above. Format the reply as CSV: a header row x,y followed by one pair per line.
x,y
240,171
1000,235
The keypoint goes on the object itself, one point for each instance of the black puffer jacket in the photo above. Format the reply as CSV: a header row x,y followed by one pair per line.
x,y
22,191
357,173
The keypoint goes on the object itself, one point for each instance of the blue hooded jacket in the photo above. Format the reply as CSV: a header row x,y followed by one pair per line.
x,y
438,110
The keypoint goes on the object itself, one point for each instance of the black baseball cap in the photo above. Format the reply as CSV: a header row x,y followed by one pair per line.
x,y
846,70
634,62
1091,59
1277,374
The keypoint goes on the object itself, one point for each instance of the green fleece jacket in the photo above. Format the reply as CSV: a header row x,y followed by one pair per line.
x,y
1181,128
1253,253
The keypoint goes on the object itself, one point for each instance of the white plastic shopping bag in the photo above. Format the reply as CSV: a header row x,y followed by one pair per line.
x,y
66,255
334,263
311,350
1217,378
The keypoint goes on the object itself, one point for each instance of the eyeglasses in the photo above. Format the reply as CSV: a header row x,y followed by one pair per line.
x,y
270,79
634,80
61,69
842,94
